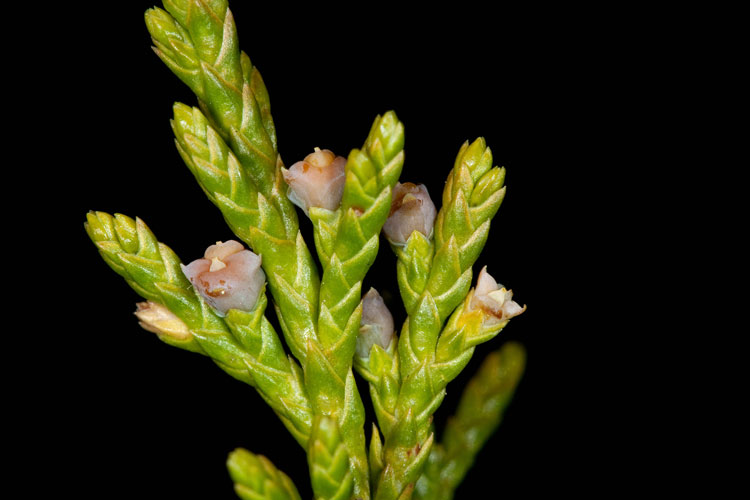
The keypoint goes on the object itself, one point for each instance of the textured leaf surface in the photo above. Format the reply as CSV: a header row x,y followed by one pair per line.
x,y
230,146
348,240
329,462
434,279
243,344
256,478
257,220
480,411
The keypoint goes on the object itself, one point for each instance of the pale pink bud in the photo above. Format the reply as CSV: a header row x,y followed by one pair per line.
x,y
229,277
411,210
316,181
494,300
376,326
158,319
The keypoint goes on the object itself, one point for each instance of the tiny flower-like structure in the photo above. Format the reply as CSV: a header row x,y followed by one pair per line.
x,y
316,181
494,300
228,277
159,320
376,326
412,210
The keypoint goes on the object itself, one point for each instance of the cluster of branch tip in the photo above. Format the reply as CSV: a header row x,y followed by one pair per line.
x,y
216,304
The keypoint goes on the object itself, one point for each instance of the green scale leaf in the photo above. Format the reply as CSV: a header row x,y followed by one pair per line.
x,y
381,370
198,41
256,478
328,459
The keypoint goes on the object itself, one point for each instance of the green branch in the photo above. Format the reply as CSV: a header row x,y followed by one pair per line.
x,y
479,414
471,197
256,220
243,344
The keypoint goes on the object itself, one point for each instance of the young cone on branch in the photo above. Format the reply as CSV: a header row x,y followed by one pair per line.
x,y
216,304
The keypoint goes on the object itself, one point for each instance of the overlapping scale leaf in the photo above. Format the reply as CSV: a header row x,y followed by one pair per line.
x,y
328,459
419,335
174,46
337,397
472,194
259,92
376,459
403,459
275,375
413,268
256,478
216,169
197,39
382,372
377,165
130,248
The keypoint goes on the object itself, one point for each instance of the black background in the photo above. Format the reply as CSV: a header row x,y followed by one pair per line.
x,y
133,416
